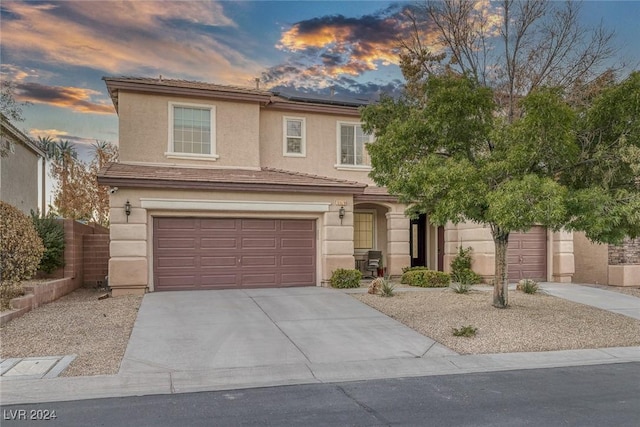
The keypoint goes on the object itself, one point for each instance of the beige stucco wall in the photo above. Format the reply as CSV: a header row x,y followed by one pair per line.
x,y
144,131
321,145
19,178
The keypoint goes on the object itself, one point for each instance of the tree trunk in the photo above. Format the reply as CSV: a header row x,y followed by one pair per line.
x,y
501,280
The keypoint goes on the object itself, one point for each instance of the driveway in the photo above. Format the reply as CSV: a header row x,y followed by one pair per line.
x,y
206,330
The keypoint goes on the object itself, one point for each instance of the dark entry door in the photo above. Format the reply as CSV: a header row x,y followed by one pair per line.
x,y
417,241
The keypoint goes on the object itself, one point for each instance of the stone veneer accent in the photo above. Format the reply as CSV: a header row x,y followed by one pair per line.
x,y
627,253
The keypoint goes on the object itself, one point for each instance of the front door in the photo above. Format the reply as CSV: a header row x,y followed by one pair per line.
x,y
417,241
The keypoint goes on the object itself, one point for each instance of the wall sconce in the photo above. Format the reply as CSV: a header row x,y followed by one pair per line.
x,y
341,214
127,209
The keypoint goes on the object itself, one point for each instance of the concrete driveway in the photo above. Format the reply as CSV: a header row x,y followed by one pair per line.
x,y
206,330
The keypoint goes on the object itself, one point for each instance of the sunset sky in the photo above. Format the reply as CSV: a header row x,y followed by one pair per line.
x,y
58,51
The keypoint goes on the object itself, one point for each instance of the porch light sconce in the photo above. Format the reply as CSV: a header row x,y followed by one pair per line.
x,y
127,209
341,214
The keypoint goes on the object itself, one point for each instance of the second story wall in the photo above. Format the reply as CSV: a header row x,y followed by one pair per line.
x,y
199,132
317,150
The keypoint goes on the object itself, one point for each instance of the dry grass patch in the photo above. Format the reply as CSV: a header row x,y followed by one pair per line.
x,y
96,330
532,322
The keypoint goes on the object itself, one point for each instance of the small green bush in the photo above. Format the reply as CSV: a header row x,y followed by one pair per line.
x,y
20,251
461,288
527,286
461,271
387,288
343,278
465,331
51,231
405,269
426,278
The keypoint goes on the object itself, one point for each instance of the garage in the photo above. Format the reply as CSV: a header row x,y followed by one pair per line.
x,y
230,253
527,255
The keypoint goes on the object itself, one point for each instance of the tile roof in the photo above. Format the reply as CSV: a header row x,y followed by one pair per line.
x,y
178,83
267,179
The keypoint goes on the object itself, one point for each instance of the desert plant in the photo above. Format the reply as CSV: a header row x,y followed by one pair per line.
x,y
343,278
51,231
461,288
527,286
461,271
426,278
465,331
20,252
387,288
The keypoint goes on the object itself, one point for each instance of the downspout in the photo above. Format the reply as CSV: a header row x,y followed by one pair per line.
x,y
43,200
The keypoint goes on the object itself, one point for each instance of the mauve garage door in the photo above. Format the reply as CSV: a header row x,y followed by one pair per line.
x,y
219,253
527,255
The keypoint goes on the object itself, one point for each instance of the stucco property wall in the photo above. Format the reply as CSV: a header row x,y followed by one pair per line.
x,y
144,126
321,145
591,260
19,178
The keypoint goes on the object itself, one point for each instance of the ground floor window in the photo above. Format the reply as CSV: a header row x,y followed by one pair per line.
x,y
363,230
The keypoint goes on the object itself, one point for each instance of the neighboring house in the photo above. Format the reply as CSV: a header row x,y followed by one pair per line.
x,y
220,186
22,174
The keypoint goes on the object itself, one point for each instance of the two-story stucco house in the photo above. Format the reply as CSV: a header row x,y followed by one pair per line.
x,y
22,169
223,187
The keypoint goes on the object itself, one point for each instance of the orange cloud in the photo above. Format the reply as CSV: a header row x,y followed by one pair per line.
x,y
126,38
74,98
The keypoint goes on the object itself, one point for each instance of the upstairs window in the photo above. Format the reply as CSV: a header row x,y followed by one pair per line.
x,y
192,130
352,150
294,137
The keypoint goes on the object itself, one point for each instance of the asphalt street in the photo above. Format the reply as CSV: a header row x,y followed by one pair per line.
x,y
598,395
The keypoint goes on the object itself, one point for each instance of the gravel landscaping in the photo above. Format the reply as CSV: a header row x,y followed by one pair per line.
x,y
96,330
532,322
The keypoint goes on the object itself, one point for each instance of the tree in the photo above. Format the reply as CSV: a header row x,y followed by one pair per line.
x,y
77,194
455,157
480,136
11,108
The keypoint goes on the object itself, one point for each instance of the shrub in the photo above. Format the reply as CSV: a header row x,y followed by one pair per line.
x,y
405,269
527,286
51,232
461,271
387,288
461,288
20,252
465,331
426,278
344,278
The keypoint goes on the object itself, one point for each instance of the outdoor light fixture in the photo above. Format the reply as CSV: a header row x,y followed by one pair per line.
x,y
341,214
127,209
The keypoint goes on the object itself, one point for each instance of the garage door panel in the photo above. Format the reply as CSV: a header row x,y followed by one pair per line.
x,y
293,225
259,224
176,262
218,243
218,224
233,253
217,261
252,261
296,243
259,243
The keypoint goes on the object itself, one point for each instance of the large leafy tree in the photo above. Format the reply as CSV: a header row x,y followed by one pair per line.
x,y
482,135
457,158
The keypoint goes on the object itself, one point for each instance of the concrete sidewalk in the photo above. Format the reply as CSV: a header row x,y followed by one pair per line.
x,y
143,373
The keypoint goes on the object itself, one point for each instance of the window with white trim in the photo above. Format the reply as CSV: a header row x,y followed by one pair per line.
x,y
363,228
352,141
191,130
294,136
